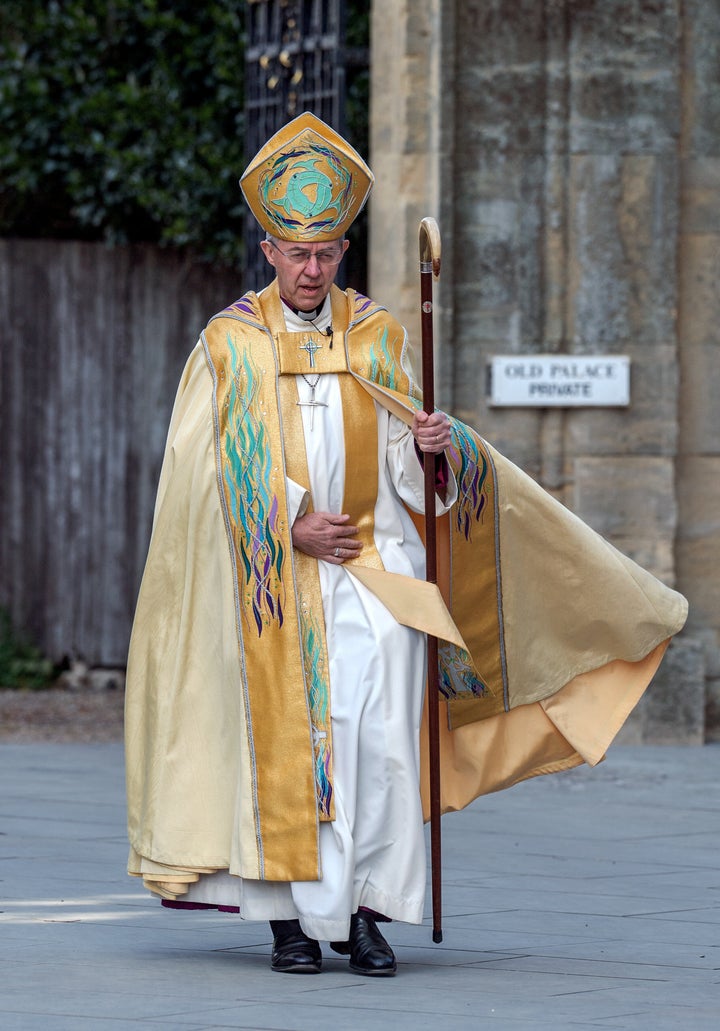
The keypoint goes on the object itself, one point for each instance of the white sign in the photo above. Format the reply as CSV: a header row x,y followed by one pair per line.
x,y
559,380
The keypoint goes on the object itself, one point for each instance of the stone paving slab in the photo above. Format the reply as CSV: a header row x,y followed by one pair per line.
x,y
584,900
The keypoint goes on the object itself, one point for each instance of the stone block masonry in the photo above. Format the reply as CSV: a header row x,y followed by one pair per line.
x,y
569,150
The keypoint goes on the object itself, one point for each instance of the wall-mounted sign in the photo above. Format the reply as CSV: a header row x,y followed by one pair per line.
x,y
552,380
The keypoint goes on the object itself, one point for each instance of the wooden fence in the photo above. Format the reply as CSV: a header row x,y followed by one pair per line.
x,y
92,344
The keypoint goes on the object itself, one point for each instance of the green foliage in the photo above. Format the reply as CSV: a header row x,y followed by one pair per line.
x,y
122,120
21,664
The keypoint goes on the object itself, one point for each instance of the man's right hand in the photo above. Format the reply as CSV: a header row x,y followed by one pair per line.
x,y
327,536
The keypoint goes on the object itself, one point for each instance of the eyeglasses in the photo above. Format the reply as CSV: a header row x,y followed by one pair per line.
x,y
325,259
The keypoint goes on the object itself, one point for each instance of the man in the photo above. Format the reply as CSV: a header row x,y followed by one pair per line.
x,y
276,672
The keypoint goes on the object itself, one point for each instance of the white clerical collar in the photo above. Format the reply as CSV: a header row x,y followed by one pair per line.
x,y
320,318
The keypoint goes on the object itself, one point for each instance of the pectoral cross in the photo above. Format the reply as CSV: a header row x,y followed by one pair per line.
x,y
312,347
312,404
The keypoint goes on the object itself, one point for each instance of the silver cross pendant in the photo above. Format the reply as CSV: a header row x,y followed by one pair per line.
x,y
312,404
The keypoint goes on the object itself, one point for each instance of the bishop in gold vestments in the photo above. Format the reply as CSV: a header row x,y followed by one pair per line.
x,y
275,763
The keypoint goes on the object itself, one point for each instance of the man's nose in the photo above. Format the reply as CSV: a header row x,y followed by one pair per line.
x,y
312,266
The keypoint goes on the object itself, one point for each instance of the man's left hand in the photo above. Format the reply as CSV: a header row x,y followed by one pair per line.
x,y
432,432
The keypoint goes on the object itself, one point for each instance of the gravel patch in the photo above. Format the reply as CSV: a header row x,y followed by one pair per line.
x,y
58,714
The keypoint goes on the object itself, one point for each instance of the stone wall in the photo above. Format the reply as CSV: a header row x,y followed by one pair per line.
x,y
406,102
570,154
698,243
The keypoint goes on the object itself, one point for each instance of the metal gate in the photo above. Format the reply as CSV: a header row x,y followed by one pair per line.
x,y
295,61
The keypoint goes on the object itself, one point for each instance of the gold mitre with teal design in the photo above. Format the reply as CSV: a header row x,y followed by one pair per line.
x,y
307,183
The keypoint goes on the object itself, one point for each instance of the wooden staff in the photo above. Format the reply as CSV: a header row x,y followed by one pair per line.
x,y
429,266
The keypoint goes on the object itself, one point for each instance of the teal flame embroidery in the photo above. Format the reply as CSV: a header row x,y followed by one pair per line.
x,y
316,678
387,371
383,368
254,509
472,478
458,678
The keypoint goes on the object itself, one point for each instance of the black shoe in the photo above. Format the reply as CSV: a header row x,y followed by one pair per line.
x,y
293,952
369,953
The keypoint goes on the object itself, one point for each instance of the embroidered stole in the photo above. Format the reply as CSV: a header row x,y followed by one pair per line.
x,y
279,615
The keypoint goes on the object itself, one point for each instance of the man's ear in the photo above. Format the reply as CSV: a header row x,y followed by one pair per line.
x,y
268,252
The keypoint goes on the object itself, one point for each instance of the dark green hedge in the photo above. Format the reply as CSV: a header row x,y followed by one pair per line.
x,y
122,120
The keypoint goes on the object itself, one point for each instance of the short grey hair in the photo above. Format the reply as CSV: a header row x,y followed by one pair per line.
x,y
269,238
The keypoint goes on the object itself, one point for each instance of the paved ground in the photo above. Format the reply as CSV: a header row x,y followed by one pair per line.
x,y
586,900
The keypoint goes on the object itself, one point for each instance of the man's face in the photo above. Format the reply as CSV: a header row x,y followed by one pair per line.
x,y
305,271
